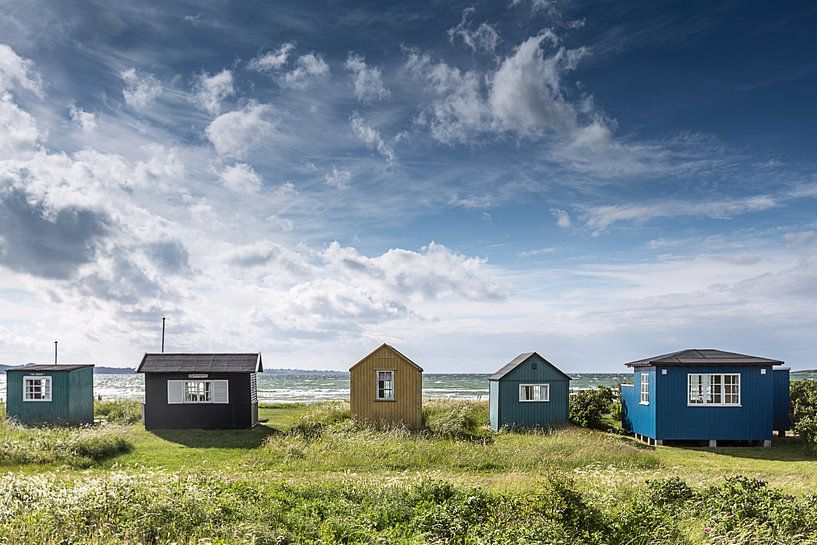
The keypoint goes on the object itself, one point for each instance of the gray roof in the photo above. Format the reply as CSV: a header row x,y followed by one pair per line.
x,y
519,360
702,356
201,363
50,367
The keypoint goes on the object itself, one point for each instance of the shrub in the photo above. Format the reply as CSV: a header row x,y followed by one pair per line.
x,y
588,406
616,410
119,411
669,491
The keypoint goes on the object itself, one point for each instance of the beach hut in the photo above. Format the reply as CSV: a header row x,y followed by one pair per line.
x,y
706,396
50,394
185,391
387,388
528,392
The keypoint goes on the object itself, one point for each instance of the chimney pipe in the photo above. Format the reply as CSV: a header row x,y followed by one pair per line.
x,y
55,352
163,335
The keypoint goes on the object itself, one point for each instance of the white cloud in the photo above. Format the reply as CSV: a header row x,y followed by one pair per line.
x,y
84,120
241,177
562,218
18,130
211,90
484,38
600,217
141,88
338,178
368,81
236,134
308,68
539,251
16,71
371,137
272,60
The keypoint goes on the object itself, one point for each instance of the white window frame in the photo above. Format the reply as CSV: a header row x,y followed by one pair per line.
x,y
214,384
644,389
706,390
377,388
208,391
47,384
540,387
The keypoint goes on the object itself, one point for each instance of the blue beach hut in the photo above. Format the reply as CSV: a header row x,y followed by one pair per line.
x,y
706,395
528,392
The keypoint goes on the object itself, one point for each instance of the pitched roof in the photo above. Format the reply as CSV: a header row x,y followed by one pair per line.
x,y
519,360
201,363
50,367
703,356
393,349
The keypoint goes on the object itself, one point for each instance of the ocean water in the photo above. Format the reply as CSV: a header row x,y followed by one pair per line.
x,y
316,386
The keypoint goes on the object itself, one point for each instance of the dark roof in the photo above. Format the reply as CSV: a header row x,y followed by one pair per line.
x,y
519,360
49,367
201,363
703,356
393,349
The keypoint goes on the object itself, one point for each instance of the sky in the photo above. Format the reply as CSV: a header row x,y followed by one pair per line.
x,y
598,182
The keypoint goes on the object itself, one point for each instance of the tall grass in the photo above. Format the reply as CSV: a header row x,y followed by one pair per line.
x,y
455,436
76,447
120,411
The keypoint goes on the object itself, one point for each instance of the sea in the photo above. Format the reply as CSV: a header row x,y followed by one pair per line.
x,y
295,386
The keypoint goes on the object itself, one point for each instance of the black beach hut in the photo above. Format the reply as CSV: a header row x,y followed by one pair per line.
x,y
184,391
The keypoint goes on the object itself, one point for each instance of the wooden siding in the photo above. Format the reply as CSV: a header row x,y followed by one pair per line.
x,y
782,401
240,412
510,411
635,417
72,398
408,390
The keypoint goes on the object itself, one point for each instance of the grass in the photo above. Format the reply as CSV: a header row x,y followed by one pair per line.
x,y
173,473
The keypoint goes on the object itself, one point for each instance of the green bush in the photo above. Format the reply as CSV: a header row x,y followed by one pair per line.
x,y
669,491
588,406
804,411
119,411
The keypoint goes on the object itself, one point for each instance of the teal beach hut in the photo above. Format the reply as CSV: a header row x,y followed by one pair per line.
x,y
529,392
50,394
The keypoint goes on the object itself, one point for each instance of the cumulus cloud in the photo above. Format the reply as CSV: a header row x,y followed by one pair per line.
x,y
371,137
17,72
241,177
272,60
338,178
141,88
211,90
44,242
307,68
236,134
562,218
18,130
86,121
368,81
171,256
484,38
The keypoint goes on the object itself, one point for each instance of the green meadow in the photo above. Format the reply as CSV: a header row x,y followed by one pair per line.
x,y
309,474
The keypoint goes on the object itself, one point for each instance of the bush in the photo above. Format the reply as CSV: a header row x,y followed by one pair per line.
x,y
804,411
669,491
588,406
119,411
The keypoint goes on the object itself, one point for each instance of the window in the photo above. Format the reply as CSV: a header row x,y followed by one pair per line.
x,y
534,392
36,388
713,389
197,391
645,389
385,385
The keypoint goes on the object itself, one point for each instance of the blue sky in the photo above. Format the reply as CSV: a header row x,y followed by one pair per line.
x,y
599,182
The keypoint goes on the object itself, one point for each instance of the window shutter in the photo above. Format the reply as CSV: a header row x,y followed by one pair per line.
x,y
175,391
221,391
